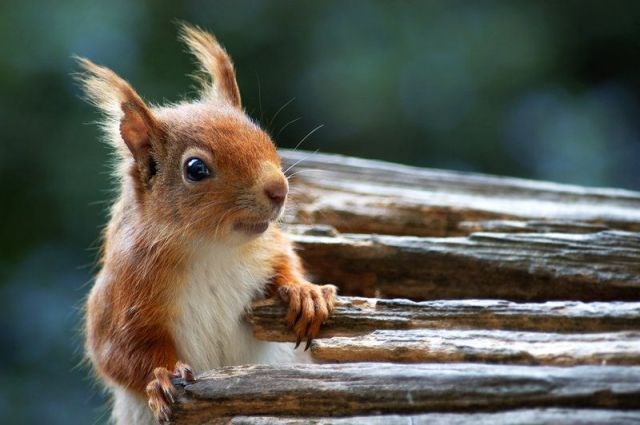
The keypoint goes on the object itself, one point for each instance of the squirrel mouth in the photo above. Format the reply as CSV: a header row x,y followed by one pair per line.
x,y
252,228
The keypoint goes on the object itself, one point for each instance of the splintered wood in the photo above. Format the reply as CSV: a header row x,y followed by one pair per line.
x,y
362,329
426,345
466,299
521,267
359,316
362,196
555,416
369,388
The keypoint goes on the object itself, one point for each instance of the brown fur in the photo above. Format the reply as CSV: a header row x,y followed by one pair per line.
x,y
160,214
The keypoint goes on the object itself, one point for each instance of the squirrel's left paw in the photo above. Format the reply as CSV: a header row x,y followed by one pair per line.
x,y
162,394
309,307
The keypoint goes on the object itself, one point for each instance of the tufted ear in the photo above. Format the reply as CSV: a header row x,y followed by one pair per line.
x,y
220,77
126,111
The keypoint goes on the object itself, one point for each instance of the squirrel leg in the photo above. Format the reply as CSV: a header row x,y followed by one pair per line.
x,y
309,305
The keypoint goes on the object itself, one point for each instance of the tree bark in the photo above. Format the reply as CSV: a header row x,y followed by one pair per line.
x,y
552,416
369,388
360,316
363,196
486,346
520,267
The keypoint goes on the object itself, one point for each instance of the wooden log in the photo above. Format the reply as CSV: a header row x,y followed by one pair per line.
x,y
487,346
514,226
360,316
521,267
372,388
363,196
552,416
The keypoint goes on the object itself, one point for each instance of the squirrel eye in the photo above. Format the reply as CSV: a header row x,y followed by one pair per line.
x,y
195,169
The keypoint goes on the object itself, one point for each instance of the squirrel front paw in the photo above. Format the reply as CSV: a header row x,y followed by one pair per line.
x,y
309,307
162,393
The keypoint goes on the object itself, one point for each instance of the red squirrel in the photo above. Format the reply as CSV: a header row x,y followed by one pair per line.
x,y
191,241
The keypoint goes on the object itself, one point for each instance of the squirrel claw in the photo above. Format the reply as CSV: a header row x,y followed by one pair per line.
x,y
162,393
164,414
309,307
184,371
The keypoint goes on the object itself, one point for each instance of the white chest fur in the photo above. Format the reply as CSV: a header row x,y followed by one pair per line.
x,y
219,284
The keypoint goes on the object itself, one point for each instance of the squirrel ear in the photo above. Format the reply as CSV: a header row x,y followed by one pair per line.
x,y
123,107
135,131
219,80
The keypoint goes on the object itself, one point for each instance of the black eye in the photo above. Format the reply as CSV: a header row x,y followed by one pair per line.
x,y
195,169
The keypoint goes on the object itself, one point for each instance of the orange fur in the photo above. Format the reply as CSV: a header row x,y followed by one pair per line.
x,y
309,305
219,75
161,219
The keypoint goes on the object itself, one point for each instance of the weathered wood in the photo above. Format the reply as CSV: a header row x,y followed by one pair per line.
x,y
512,417
369,388
520,267
509,347
359,316
513,226
363,196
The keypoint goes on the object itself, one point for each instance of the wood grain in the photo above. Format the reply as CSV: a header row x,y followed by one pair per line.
x,y
516,266
552,416
358,316
368,388
486,346
364,196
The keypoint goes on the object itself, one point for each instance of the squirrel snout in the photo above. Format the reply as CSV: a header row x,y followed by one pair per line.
x,y
276,191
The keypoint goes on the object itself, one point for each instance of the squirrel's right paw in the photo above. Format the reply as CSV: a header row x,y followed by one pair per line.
x,y
162,393
309,307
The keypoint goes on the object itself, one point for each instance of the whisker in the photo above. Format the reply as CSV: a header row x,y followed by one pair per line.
x,y
280,110
302,171
195,195
215,234
308,135
287,125
300,160
259,96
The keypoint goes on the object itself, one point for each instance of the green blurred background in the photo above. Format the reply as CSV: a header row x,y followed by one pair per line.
x,y
546,90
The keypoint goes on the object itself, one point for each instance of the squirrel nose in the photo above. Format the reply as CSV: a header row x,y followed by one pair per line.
x,y
276,191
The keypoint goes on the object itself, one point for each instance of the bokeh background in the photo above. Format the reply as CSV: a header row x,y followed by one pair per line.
x,y
538,89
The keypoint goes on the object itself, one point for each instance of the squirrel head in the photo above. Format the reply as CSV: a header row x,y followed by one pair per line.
x,y
201,168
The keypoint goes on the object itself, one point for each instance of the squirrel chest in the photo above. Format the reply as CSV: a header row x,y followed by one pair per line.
x,y
219,283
